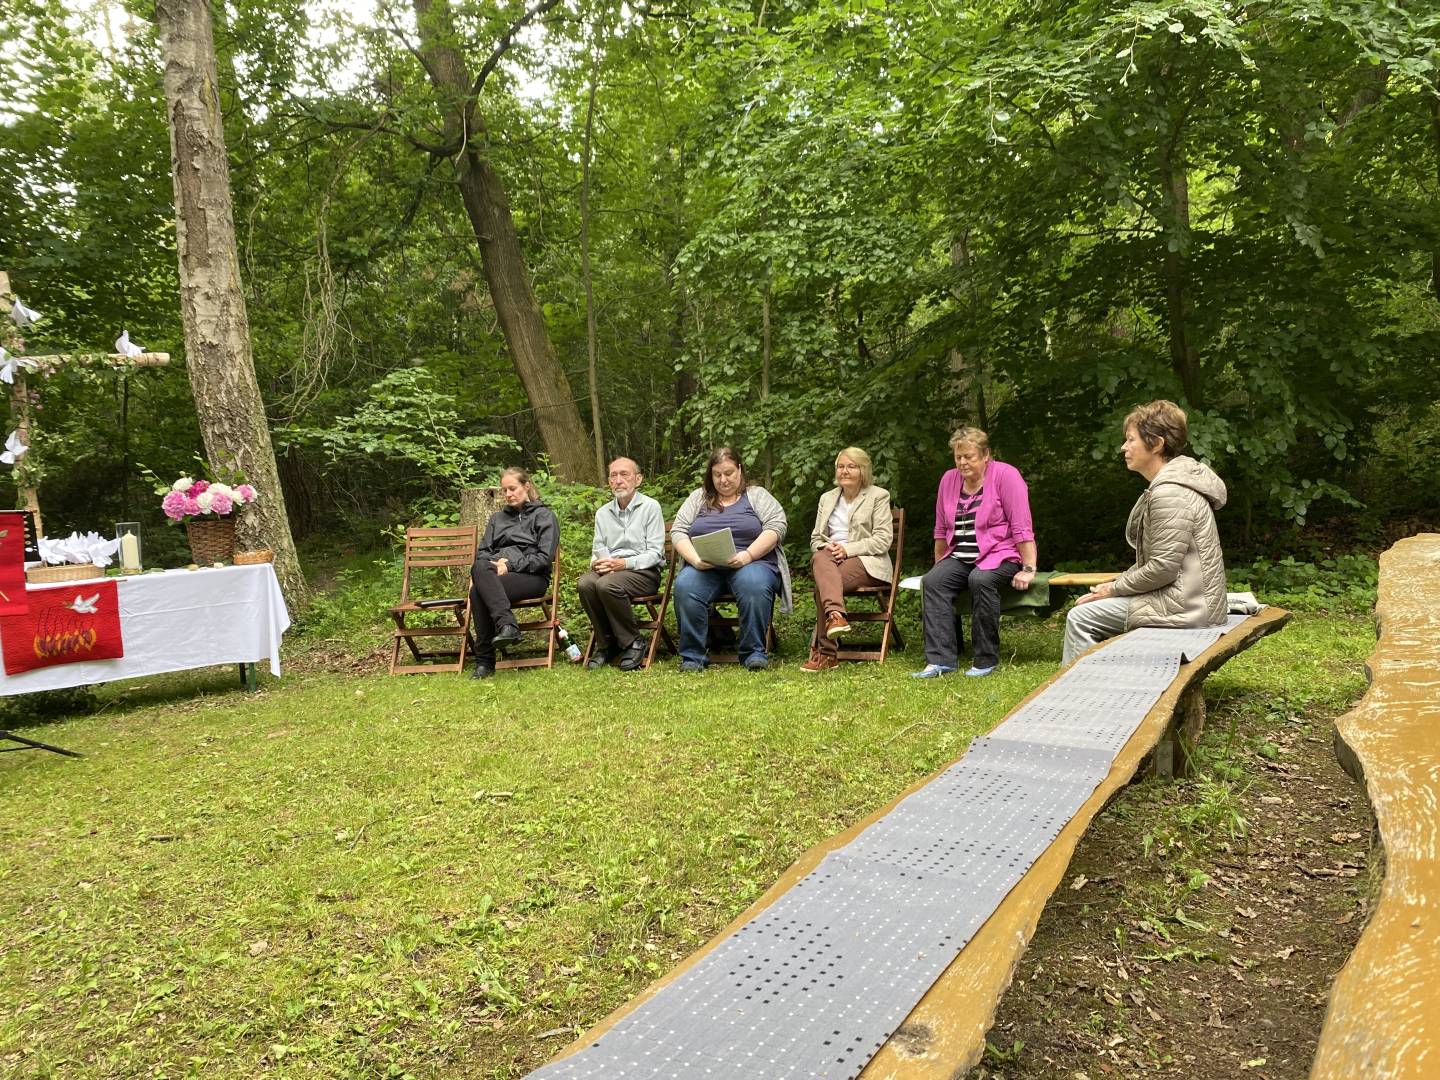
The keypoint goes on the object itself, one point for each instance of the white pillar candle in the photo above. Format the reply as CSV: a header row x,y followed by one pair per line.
x,y
129,552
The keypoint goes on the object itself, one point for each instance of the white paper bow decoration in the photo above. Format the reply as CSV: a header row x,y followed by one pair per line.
x,y
14,449
22,315
78,548
124,346
9,364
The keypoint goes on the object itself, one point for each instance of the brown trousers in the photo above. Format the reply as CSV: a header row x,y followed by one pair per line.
x,y
832,581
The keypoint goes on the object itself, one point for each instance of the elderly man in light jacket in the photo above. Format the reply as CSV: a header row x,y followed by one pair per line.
x,y
1178,579
626,553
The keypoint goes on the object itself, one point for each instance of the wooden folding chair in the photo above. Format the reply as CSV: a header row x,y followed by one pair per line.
x,y
428,550
548,623
884,595
654,605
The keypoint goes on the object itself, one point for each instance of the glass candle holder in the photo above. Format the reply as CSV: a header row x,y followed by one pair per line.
x,y
131,553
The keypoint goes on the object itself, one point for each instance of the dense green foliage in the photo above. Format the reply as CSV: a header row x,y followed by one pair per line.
x,y
811,224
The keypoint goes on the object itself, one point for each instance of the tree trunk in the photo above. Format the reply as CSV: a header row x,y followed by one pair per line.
x,y
590,344
967,371
561,430
217,332
1435,145
768,457
1184,358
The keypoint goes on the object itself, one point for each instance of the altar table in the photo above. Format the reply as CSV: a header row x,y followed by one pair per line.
x,y
177,620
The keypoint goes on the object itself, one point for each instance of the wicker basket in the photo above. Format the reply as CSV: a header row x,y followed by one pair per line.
x,y
212,540
41,575
251,558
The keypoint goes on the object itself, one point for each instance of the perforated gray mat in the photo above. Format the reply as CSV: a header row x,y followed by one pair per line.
x,y
815,984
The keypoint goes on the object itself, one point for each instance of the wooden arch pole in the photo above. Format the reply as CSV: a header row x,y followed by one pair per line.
x,y
27,496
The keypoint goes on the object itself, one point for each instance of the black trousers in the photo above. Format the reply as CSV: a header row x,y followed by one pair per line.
x,y
945,581
491,595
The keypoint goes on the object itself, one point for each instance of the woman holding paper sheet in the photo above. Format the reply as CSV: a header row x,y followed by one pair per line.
x,y
753,574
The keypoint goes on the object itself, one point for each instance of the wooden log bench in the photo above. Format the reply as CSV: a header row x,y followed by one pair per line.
x,y
1383,1019
944,1035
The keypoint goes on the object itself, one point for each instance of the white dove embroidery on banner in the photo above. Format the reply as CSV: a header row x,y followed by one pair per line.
x,y
84,605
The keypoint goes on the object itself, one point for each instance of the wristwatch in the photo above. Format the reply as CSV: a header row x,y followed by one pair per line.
x,y
1027,569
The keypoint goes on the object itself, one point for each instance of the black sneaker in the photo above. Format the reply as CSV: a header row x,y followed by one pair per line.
x,y
483,670
598,659
507,635
633,655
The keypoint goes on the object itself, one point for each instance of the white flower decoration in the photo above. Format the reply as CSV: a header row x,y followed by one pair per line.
x,y
185,483
14,449
9,364
22,315
205,500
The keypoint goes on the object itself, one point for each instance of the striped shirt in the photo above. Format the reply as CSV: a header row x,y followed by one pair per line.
x,y
967,548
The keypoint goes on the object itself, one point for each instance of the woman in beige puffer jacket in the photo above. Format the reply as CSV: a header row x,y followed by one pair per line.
x,y
1178,579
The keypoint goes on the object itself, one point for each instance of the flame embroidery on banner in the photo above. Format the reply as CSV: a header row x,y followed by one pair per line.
x,y
59,633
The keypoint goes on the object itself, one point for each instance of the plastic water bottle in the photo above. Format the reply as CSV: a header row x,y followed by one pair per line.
x,y
572,651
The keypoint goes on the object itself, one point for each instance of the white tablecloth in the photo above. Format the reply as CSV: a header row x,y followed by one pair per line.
x,y
178,620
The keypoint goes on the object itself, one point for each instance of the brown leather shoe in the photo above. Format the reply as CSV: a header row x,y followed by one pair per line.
x,y
836,625
820,661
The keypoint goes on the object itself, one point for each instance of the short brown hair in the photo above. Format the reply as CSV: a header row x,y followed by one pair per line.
x,y
1163,420
970,436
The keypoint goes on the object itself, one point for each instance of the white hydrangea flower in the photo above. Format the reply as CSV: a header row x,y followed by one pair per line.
x,y
185,483
223,489
205,500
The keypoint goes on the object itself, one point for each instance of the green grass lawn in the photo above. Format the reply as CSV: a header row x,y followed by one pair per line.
x,y
428,876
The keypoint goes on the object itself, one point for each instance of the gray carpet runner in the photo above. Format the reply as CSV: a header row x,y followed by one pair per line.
x,y
816,983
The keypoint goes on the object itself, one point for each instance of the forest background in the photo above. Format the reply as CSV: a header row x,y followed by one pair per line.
x,y
787,226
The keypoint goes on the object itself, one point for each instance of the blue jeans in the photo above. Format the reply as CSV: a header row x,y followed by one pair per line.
x,y
754,587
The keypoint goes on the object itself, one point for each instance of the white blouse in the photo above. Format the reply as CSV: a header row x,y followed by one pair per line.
x,y
839,524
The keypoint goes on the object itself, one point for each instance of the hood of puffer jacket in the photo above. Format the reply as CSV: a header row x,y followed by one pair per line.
x,y
1199,477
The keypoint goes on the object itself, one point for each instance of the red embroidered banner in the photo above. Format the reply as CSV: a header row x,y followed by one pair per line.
x,y
63,625
12,563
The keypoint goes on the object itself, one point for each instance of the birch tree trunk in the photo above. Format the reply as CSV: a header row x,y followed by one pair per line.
x,y
217,331
562,432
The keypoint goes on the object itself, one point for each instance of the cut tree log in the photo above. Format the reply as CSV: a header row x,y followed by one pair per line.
x,y
1383,1021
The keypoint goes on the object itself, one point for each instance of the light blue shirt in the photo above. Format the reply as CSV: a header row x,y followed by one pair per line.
x,y
635,534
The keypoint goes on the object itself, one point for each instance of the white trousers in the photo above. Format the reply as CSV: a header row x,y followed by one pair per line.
x,y
1089,624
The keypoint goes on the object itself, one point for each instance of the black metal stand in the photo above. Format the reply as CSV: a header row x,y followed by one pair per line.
x,y
31,744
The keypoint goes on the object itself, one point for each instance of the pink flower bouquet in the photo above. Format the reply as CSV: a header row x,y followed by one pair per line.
x,y
189,498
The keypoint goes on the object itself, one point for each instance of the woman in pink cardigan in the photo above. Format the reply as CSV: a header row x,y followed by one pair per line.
x,y
984,541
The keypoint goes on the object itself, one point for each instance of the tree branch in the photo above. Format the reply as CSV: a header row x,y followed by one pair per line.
x,y
506,40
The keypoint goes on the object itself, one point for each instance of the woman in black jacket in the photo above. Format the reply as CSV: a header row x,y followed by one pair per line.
x,y
512,563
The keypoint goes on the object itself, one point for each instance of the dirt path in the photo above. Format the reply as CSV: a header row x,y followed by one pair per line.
x,y
1185,943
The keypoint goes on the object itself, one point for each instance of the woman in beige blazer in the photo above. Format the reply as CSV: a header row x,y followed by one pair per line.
x,y
851,542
